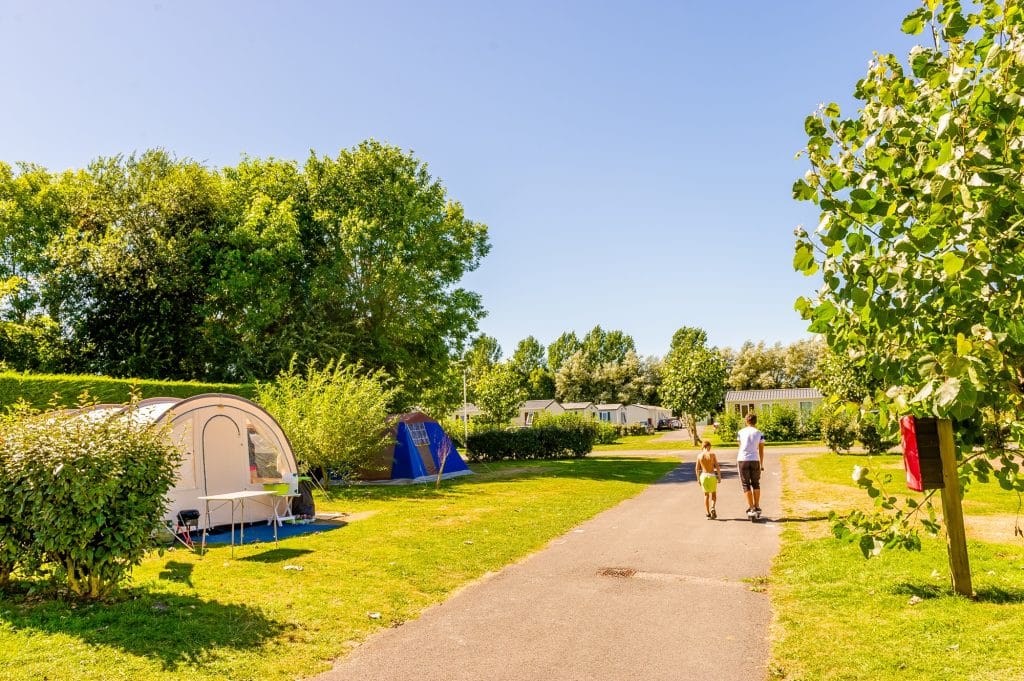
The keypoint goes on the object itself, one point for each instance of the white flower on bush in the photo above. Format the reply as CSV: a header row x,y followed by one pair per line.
x,y
859,473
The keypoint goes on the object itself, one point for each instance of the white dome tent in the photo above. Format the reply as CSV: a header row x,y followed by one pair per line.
x,y
229,444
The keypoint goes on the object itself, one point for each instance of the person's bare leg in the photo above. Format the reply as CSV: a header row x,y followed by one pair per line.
x,y
707,505
750,498
757,498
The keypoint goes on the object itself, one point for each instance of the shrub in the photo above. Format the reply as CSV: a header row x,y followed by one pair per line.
x,y
632,429
336,417
779,423
606,433
457,432
541,442
836,430
810,424
872,440
727,426
81,495
39,389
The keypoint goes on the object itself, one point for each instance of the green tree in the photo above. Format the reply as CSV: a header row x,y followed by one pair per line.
x,y
801,360
602,346
255,311
499,392
693,378
921,262
126,271
561,349
530,360
576,380
758,367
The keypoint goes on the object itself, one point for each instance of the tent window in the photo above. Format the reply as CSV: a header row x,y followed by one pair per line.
x,y
265,458
419,433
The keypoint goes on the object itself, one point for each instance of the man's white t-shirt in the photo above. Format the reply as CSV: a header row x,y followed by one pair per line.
x,y
750,437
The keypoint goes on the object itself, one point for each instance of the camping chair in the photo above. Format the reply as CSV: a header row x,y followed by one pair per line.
x,y
187,523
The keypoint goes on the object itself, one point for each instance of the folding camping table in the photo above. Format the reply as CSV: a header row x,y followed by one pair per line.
x,y
238,498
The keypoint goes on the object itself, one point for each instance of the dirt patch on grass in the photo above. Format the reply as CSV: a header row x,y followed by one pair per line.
x,y
506,472
995,529
341,517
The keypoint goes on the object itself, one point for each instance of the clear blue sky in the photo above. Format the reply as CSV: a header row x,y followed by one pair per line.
x,y
633,160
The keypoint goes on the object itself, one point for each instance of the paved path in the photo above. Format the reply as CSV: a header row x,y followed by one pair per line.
x,y
686,613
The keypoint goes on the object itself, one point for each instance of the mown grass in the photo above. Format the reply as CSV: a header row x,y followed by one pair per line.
x,y
650,442
839,617
979,498
214,617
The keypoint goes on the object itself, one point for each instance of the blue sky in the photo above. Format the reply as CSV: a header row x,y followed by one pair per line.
x,y
633,161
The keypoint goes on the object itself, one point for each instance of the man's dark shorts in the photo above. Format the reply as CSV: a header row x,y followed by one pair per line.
x,y
750,475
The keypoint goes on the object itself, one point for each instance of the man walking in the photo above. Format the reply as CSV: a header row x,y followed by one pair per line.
x,y
750,462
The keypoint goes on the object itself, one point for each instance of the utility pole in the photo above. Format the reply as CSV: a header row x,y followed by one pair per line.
x,y
465,408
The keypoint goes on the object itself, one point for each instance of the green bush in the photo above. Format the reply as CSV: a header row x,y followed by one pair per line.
x,y
541,442
727,426
779,423
336,416
81,496
872,440
624,429
607,433
810,424
837,430
39,389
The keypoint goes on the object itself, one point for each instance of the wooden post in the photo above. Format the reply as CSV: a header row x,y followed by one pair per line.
x,y
953,513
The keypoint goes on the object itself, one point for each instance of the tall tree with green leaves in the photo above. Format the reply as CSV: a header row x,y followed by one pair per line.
x,y
389,251
918,243
561,349
693,378
530,361
499,392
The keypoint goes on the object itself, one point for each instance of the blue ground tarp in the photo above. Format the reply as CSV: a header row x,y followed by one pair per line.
x,y
264,533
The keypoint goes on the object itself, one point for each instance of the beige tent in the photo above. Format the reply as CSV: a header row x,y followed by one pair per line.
x,y
229,444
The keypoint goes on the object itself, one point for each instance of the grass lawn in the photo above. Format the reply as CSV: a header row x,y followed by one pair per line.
x,y
650,442
839,616
214,617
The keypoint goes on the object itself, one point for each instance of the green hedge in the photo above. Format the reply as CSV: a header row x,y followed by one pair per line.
x,y
544,442
38,389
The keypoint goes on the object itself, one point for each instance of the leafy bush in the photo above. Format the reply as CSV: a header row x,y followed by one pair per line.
x,y
873,441
837,430
810,424
727,425
80,495
779,423
336,417
542,442
457,432
39,389
632,429
606,433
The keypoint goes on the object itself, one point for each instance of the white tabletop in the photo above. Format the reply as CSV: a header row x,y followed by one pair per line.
x,y
234,496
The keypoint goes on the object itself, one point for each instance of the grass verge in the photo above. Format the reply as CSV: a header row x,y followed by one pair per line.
x,y
214,617
652,442
840,617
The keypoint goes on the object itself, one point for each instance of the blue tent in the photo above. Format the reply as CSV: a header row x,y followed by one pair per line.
x,y
420,444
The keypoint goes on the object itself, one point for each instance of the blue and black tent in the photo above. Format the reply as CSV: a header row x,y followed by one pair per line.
x,y
420,446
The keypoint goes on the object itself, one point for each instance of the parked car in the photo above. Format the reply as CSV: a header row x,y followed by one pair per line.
x,y
675,424
665,424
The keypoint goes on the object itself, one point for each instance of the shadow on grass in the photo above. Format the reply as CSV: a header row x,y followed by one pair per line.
x,y
276,555
178,572
987,594
634,469
174,629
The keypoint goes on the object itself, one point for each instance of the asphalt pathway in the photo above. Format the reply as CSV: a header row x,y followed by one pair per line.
x,y
649,589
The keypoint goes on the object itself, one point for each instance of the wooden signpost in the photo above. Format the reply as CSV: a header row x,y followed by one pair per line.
x,y
929,457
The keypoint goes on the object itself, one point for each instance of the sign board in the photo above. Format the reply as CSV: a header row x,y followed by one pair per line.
x,y
921,458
